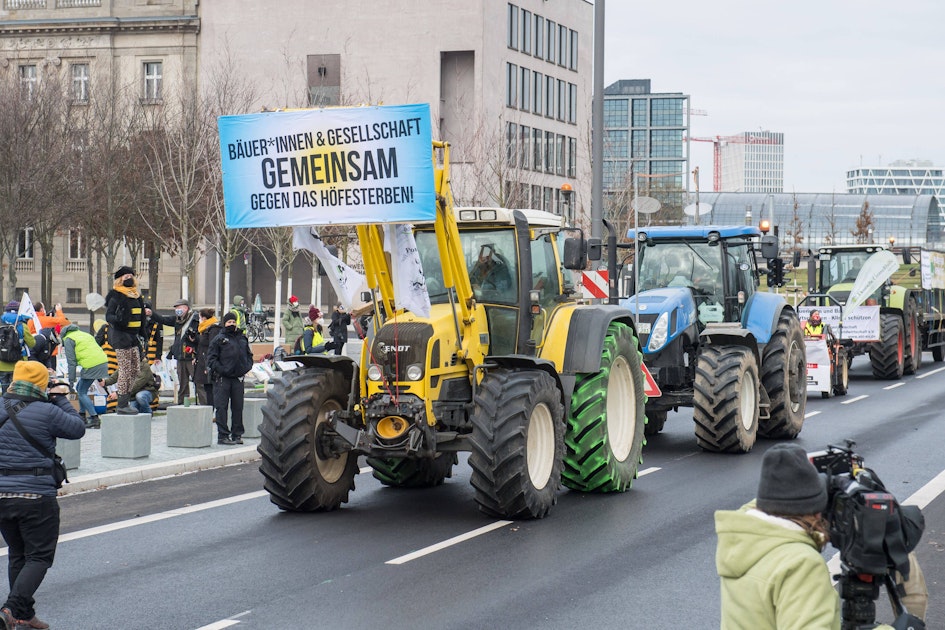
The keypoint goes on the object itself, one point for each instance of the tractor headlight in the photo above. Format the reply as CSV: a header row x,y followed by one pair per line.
x,y
659,333
414,372
374,372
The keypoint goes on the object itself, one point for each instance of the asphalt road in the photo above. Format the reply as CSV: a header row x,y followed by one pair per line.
x,y
209,550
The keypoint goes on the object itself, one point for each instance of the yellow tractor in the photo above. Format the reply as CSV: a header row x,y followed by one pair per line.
x,y
538,389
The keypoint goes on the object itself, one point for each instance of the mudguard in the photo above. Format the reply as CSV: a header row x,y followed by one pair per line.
x,y
761,314
586,332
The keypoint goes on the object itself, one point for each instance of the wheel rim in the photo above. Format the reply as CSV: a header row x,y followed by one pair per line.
x,y
913,340
621,409
540,447
900,347
747,396
845,375
333,468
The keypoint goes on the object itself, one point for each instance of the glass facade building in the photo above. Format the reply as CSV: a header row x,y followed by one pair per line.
x,y
904,177
648,131
826,218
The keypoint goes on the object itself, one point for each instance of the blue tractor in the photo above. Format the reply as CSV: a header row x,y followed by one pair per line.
x,y
712,340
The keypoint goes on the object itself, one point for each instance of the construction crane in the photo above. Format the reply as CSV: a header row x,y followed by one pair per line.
x,y
718,142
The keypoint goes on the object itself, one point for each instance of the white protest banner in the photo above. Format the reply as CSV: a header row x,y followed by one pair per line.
x,y
876,270
862,323
346,282
26,308
328,166
829,315
818,366
410,285
932,265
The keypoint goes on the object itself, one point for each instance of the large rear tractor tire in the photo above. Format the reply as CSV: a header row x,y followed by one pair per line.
x,y
655,421
726,399
296,476
605,434
517,443
887,357
912,359
401,472
784,377
938,354
841,379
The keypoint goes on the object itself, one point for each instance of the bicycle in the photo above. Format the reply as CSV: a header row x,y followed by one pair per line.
x,y
258,327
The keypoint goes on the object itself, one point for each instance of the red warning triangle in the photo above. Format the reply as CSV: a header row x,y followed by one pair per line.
x,y
650,388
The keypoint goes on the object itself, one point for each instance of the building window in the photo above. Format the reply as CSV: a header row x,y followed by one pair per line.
x,y
153,81
550,49
547,199
615,143
525,90
572,157
511,87
666,112
639,112
536,197
76,244
562,45
513,26
525,148
511,153
80,82
539,36
24,243
73,296
549,152
573,64
550,97
526,32
537,82
666,143
615,112
536,149
28,80
562,99
638,144
572,103
559,155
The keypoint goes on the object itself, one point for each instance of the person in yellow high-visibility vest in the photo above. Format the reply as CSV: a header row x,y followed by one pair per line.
x,y
814,326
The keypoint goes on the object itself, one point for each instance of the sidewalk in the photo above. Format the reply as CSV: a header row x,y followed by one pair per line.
x,y
96,472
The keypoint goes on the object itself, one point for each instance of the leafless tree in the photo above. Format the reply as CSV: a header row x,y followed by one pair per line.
x,y
863,232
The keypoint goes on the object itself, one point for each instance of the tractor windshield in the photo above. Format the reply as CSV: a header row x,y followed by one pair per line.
x,y
841,267
490,260
681,264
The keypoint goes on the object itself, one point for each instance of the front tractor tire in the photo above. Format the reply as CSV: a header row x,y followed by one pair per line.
x,y
402,472
725,405
297,478
887,357
784,377
605,433
517,443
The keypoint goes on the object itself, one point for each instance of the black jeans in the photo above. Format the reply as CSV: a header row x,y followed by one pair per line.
x,y
31,529
228,391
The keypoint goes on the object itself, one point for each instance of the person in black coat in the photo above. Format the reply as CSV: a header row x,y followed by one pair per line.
x,y
208,328
29,512
338,328
228,360
184,323
127,320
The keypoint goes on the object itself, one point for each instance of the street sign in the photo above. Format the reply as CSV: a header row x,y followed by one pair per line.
x,y
651,389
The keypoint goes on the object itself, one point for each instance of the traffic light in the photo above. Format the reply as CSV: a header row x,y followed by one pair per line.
x,y
775,272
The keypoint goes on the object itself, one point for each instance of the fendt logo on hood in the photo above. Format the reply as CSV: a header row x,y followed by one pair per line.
x,y
385,348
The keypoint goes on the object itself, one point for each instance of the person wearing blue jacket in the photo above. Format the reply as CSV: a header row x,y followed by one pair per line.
x,y
10,316
29,511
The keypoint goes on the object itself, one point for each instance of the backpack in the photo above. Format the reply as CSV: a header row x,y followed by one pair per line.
x,y
11,350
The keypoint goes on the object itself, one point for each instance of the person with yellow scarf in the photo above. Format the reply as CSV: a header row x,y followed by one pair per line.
x,y
126,317
208,328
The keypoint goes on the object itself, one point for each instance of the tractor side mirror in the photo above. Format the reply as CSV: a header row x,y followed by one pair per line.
x,y
575,253
906,256
796,261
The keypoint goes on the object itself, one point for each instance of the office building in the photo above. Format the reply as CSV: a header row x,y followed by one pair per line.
x,y
752,161
902,177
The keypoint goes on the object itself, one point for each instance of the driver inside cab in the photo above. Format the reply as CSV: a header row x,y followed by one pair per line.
x,y
490,272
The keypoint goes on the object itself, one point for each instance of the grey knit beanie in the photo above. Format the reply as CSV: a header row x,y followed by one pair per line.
x,y
790,484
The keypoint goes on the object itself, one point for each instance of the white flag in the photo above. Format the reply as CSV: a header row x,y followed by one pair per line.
x,y
875,271
347,282
26,308
410,285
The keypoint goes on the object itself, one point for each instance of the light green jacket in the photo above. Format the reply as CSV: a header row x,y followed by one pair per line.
x,y
773,576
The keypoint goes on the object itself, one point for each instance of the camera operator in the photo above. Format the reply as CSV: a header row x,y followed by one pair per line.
x,y
29,512
769,551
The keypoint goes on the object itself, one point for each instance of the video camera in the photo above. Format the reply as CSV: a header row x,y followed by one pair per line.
x,y
873,533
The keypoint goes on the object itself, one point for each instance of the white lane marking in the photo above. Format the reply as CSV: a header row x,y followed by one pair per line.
x,y
647,471
365,470
853,400
930,373
455,540
219,625
151,518
895,385
811,414
922,497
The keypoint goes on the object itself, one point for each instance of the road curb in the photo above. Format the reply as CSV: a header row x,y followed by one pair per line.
x,y
162,469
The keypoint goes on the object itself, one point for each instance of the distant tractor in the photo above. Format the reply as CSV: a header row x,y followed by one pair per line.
x,y
712,340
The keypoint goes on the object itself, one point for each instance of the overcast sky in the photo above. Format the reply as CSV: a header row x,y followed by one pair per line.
x,y
848,83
